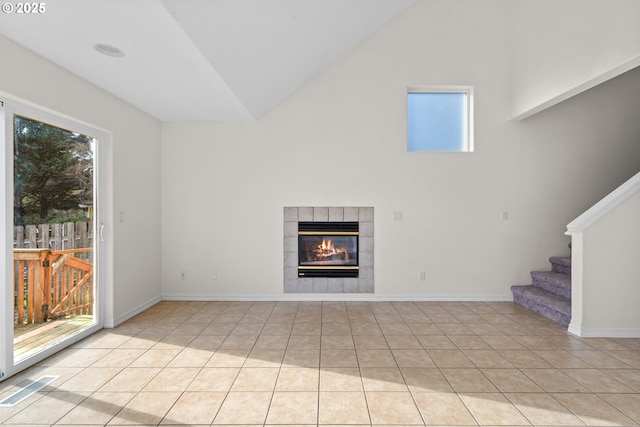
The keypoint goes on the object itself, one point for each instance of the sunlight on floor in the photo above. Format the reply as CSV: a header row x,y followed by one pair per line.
x,y
347,363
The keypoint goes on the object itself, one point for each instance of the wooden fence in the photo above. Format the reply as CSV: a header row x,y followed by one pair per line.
x,y
53,271
57,237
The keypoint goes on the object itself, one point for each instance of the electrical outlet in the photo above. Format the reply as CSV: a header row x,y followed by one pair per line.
x,y
423,275
183,275
214,275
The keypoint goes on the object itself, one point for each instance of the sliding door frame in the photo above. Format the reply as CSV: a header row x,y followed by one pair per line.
x,y
103,244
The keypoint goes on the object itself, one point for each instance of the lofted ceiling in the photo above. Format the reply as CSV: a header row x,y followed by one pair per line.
x,y
200,60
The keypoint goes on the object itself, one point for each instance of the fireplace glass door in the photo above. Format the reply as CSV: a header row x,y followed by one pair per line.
x,y
328,249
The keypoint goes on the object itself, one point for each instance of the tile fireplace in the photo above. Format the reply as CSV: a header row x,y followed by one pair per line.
x,y
328,249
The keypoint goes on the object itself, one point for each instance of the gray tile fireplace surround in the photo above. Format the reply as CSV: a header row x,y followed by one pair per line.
x,y
361,284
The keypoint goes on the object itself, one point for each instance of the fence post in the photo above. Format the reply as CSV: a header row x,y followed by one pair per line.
x,y
39,286
48,284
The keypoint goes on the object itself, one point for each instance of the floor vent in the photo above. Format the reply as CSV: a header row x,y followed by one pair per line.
x,y
28,390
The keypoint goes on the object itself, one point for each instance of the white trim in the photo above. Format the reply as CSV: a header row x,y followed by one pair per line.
x,y
574,329
334,297
6,247
604,206
577,280
440,89
586,85
131,313
103,159
82,125
605,332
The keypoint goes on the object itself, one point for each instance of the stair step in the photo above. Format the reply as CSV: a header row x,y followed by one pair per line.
x,y
543,302
560,264
556,283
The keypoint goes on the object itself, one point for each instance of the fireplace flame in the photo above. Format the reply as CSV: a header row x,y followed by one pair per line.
x,y
326,250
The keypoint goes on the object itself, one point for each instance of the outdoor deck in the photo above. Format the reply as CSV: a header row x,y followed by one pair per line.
x,y
30,339
53,291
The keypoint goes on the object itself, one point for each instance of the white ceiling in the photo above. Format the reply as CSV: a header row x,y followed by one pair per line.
x,y
200,60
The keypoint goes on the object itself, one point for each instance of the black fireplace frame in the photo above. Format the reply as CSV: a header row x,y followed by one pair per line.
x,y
329,229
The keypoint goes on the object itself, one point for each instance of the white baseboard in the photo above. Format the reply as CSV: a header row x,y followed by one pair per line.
x,y
129,314
604,332
331,297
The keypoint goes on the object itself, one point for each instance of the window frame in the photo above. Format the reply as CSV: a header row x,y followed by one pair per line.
x,y
468,134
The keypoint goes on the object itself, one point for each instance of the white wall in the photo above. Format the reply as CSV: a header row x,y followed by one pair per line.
x,y
560,48
133,175
612,273
544,171
341,140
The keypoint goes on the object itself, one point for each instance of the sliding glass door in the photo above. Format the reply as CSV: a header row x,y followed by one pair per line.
x,y
52,228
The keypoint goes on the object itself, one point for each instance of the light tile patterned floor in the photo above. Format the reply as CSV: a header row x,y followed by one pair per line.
x,y
335,363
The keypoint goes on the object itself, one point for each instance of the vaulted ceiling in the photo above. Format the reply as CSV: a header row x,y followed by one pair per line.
x,y
200,60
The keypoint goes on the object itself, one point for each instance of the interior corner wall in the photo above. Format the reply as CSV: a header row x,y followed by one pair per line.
x,y
134,169
560,48
341,141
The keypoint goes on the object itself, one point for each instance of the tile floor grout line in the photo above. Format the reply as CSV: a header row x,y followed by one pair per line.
x,y
596,359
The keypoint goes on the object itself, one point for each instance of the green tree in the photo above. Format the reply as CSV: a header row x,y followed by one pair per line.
x,y
53,170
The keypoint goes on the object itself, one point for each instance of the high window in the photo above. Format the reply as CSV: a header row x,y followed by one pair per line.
x,y
440,119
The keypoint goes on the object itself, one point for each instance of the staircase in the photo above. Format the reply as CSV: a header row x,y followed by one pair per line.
x,y
550,291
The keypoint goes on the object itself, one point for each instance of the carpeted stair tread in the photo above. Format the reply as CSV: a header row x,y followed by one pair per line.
x,y
549,293
552,306
556,283
561,264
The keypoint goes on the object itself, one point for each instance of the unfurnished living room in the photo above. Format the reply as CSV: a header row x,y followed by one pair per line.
x,y
320,212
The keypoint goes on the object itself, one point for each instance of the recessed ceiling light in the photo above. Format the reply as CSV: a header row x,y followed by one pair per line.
x,y
107,49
